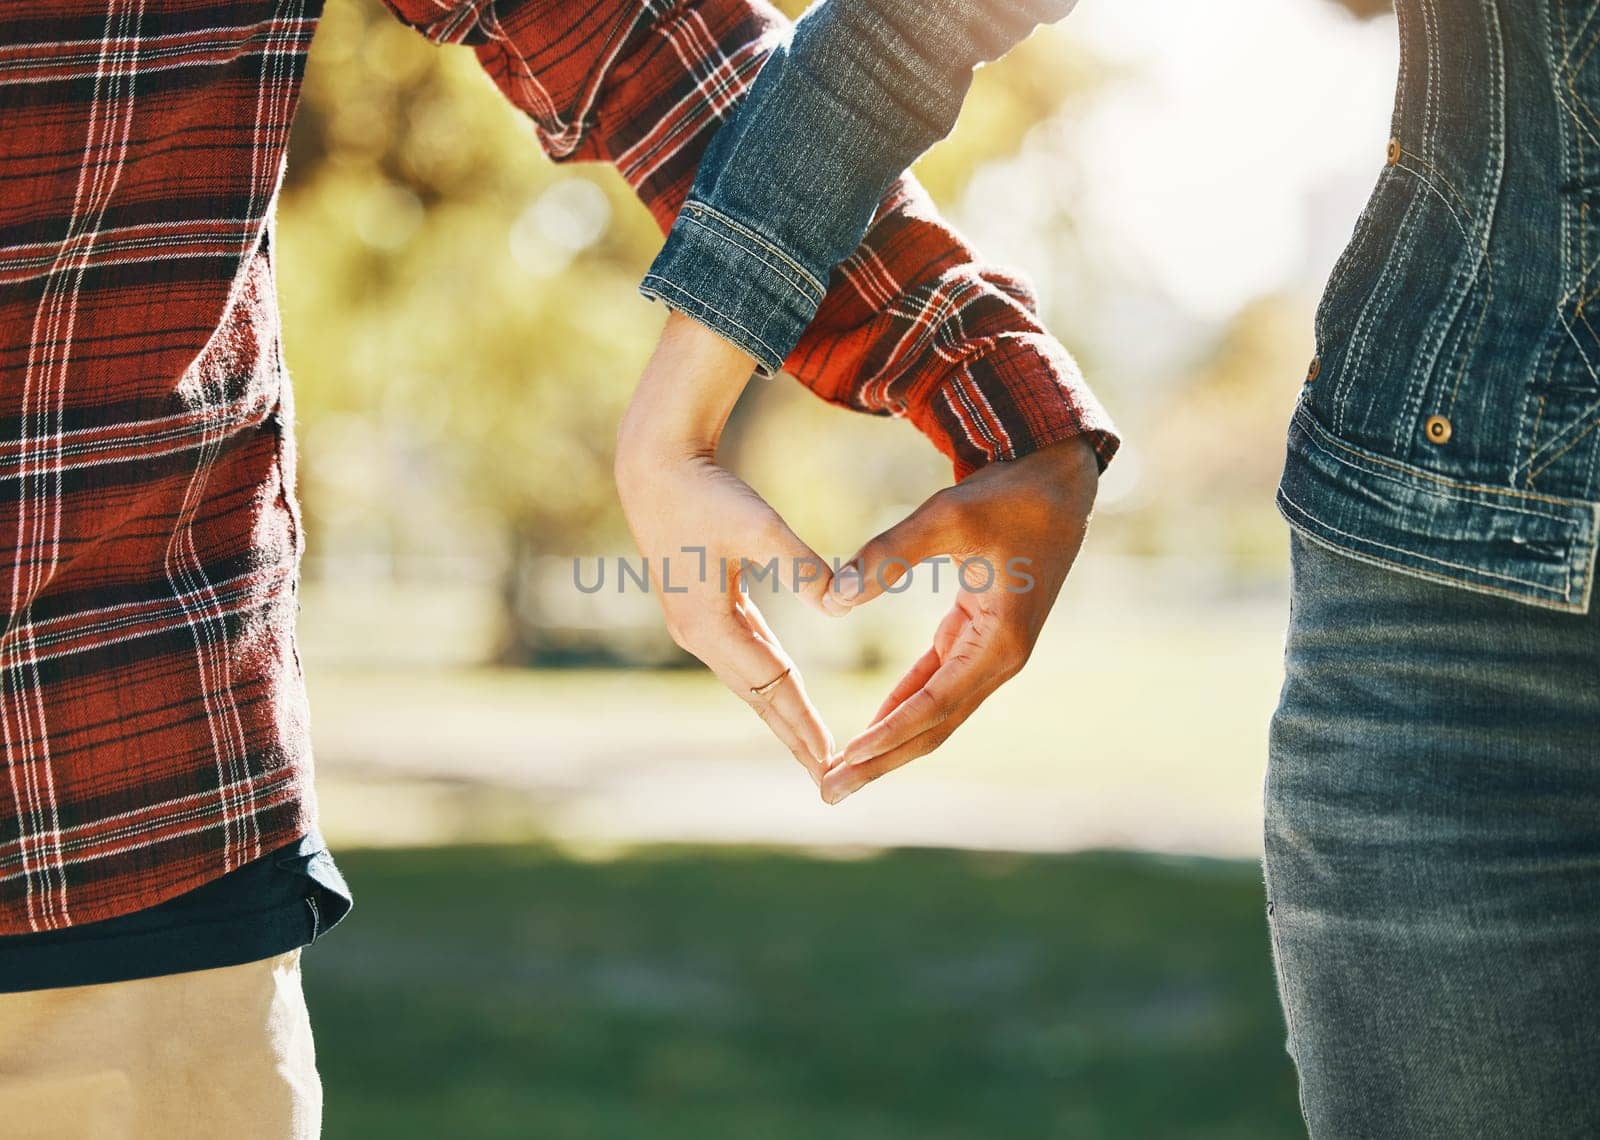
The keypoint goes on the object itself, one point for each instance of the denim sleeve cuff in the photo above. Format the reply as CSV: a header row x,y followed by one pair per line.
x,y
736,282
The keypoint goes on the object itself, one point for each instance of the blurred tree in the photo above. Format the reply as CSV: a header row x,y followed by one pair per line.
x,y
462,321
1217,496
460,313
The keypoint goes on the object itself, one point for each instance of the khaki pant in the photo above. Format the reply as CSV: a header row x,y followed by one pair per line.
x,y
215,1053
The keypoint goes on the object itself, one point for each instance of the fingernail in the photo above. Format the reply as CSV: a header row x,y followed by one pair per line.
x,y
843,591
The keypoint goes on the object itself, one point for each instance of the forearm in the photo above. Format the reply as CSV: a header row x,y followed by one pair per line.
x,y
788,186
670,419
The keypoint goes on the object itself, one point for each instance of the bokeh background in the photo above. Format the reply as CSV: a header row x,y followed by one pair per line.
x,y
595,899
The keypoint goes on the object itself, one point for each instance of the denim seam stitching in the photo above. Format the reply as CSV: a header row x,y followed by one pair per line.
x,y
1355,250
1306,531
1393,477
1488,210
1431,344
1440,325
1586,420
692,208
1360,342
1360,335
1427,183
1482,224
1363,460
1525,469
659,288
1566,45
1575,138
756,251
1569,140
1289,502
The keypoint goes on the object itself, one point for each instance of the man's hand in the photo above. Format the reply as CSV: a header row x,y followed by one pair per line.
x,y
702,530
1012,530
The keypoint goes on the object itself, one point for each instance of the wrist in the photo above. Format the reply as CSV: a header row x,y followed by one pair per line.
x,y
683,400
1067,472
687,391
1054,481
1071,462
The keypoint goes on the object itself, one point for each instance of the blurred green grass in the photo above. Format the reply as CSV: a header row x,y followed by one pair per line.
x,y
676,992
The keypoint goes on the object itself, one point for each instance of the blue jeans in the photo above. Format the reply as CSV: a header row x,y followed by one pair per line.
x,y
1433,857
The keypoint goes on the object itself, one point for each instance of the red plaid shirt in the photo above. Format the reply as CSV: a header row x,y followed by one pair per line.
x,y
152,709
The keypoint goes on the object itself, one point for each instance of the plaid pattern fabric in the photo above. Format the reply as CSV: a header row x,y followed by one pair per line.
x,y
152,710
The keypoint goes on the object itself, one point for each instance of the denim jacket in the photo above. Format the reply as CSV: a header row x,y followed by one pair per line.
x,y
1448,424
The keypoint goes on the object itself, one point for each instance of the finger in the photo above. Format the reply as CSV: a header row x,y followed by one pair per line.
x,y
779,556
954,625
883,561
790,703
844,780
969,667
922,711
776,721
784,731
745,659
790,698
916,677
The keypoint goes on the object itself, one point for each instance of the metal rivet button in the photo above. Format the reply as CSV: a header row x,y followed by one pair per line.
x,y
1395,151
1315,370
1438,430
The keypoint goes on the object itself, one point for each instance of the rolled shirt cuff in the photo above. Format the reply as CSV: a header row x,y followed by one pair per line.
x,y
736,282
1021,394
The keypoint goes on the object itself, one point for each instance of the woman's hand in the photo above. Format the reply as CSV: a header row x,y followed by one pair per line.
x,y
709,540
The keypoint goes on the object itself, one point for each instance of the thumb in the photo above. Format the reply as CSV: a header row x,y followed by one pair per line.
x,y
889,557
783,558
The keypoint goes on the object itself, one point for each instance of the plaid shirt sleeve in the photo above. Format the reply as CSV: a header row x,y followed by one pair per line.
x,y
912,324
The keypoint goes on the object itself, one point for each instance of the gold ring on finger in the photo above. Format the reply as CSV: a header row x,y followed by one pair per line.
x,y
763,690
